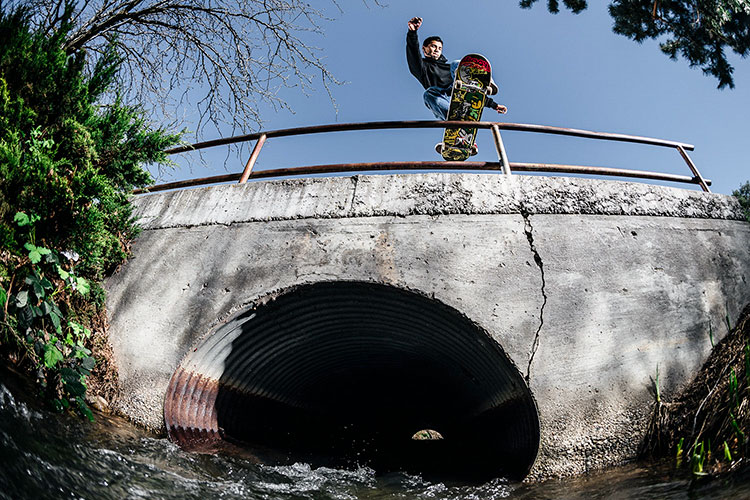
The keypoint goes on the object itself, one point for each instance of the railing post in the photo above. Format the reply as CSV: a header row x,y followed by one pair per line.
x,y
253,157
501,155
693,168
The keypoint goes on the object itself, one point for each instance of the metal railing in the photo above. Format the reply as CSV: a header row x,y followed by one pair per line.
x,y
503,165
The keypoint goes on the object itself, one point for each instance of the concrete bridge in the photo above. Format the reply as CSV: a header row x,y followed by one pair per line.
x,y
523,318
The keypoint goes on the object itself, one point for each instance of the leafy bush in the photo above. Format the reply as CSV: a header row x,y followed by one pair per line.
x,y
70,154
63,157
743,196
53,342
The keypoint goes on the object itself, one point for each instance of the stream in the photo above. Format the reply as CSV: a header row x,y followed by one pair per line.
x,y
49,455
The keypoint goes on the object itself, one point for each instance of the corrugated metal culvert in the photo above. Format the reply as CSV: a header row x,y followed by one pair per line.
x,y
341,373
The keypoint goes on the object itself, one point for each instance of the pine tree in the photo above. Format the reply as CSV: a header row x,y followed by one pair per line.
x,y
700,31
68,162
65,156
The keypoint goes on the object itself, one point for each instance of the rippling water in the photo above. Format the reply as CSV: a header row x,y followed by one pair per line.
x,y
46,455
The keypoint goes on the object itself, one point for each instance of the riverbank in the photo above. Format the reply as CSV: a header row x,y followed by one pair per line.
x,y
102,387
706,428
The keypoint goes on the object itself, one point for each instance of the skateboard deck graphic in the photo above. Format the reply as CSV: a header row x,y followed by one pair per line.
x,y
467,102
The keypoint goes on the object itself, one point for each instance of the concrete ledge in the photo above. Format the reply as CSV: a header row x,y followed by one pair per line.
x,y
424,194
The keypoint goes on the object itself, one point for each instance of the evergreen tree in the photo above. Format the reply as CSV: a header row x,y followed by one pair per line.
x,y
700,31
68,162
64,156
743,196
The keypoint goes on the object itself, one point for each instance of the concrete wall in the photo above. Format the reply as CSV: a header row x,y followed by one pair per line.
x,y
587,285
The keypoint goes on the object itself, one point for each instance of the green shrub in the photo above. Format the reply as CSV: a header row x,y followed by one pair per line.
x,y
70,154
743,196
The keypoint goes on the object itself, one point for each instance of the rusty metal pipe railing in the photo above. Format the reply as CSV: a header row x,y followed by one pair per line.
x,y
382,125
425,165
500,147
693,168
253,158
503,164
607,171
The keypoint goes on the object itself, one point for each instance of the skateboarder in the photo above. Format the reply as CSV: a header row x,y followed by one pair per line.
x,y
435,73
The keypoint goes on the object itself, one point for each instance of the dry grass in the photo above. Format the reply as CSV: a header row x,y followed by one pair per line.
x,y
713,408
103,379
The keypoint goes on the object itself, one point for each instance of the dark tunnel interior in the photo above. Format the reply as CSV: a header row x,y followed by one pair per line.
x,y
345,374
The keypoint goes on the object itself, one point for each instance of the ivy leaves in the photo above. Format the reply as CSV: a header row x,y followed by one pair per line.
x,y
52,355
36,253
75,282
57,340
72,345
24,220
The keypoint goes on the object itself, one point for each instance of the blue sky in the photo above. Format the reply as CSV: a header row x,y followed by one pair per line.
x,y
563,70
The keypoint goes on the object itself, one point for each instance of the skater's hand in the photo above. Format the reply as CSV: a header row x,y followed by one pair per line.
x,y
415,23
502,109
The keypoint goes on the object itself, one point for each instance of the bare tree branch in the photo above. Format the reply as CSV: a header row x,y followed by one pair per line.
x,y
222,59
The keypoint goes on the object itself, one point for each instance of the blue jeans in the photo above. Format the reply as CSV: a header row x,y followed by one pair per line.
x,y
438,99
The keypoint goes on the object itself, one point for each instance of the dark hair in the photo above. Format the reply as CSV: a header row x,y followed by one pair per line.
x,y
431,39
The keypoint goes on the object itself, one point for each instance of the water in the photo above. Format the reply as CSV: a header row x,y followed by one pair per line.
x,y
46,455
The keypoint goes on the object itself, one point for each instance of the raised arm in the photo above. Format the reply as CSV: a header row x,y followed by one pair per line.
x,y
413,54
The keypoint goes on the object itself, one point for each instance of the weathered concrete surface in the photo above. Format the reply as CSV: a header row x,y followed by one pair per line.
x,y
587,285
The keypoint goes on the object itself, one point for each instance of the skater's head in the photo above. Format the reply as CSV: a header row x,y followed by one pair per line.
x,y
432,47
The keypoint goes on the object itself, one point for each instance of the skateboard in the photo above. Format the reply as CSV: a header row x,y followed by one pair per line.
x,y
470,88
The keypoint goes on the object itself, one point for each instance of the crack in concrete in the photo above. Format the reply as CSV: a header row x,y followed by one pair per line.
x,y
529,230
355,181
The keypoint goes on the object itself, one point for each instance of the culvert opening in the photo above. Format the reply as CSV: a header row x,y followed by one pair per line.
x,y
427,435
344,373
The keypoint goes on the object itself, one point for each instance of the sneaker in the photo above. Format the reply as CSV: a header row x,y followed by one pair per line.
x,y
493,87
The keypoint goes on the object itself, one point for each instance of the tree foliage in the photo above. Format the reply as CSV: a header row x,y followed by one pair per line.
x,y
554,6
62,156
68,160
701,31
743,196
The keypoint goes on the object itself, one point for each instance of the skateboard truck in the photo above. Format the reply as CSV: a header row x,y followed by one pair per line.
x,y
459,85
